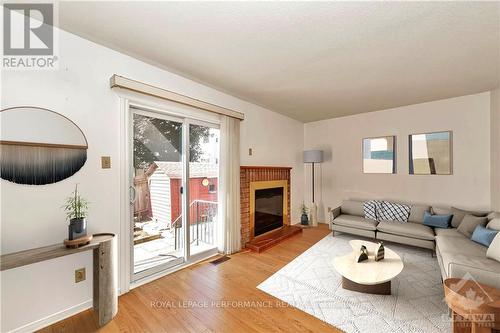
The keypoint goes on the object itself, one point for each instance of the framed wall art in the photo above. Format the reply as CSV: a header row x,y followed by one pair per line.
x,y
431,153
379,154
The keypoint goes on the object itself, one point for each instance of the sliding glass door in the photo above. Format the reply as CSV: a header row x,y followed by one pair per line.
x,y
156,199
203,187
174,191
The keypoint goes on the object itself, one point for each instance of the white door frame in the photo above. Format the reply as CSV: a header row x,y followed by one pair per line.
x,y
189,115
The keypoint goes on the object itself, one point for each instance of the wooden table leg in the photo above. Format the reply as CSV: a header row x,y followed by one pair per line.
x,y
105,281
481,328
461,325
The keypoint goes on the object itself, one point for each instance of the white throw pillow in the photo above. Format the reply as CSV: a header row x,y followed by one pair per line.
x,y
494,249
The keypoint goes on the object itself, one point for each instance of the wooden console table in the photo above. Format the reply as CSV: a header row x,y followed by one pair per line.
x,y
105,296
475,306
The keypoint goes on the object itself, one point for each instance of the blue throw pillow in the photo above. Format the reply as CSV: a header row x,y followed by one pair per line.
x,y
483,235
437,221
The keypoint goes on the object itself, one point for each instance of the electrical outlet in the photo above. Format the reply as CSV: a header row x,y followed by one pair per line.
x,y
250,151
80,275
105,162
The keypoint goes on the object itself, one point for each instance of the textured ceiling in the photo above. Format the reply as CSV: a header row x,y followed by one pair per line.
x,y
309,61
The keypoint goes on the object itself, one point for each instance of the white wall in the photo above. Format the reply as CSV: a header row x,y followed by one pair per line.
x,y
341,139
495,149
275,140
31,215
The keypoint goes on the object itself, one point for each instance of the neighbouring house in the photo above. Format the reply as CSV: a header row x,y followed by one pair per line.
x,y
159,191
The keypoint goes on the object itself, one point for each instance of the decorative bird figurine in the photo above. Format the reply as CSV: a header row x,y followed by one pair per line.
x,y
363,254
380,252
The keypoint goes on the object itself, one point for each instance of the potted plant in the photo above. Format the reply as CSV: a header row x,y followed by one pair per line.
x,y
304,219
76,209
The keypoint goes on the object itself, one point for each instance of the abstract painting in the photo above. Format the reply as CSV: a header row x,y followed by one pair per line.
x,y
431,153
379,155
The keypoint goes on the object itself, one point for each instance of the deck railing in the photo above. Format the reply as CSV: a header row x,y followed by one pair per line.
x,y
203,216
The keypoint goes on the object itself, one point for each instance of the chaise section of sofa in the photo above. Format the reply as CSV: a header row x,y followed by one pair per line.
x,y
459,257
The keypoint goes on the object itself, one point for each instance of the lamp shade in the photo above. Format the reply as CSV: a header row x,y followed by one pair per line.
x,y
313,156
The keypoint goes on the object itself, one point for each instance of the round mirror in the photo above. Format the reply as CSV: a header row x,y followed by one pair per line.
x,y
39,146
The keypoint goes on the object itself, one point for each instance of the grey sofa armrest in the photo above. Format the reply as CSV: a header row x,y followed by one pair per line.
x,y
480,274
334,213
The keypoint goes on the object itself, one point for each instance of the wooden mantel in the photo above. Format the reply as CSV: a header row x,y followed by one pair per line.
x,y
105,275
264,167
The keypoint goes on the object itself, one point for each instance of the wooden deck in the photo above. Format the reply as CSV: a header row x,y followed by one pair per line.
x,y
235,280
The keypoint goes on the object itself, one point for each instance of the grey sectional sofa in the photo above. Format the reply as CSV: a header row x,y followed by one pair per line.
x,y
457,255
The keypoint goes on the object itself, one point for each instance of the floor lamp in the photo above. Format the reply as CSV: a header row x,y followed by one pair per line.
x,y
313,156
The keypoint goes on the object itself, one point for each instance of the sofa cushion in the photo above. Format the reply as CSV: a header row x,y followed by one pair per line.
x,y
494,224
460,245
352,207
450,232
355,222
424,243
469,223
493,215
441,211
493,251
417,213
459,214
410,229
481,269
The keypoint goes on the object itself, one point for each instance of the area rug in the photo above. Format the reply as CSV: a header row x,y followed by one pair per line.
x,y
311,283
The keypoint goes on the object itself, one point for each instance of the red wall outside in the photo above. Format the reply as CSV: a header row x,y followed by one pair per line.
x,y
196,192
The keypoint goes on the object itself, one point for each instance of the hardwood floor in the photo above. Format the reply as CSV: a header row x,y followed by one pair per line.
x,y
192,300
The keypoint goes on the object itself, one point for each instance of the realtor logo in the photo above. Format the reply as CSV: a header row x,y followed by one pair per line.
x,y
28,36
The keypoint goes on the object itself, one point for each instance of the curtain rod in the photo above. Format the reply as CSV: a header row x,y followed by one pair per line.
x,y
126,83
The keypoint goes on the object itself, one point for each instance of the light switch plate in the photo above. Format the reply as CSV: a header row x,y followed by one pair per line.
x,y
80,275
106,162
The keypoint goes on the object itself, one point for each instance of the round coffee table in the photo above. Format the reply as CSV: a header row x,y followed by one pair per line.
x,y
369,276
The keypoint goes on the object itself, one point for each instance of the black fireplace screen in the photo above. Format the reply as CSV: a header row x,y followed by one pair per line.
x,y
268,210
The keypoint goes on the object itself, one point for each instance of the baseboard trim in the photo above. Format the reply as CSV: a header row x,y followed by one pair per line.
x,y
71,311
53,318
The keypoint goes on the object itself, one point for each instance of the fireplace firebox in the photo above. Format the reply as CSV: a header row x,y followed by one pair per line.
x,y
268,210
268,206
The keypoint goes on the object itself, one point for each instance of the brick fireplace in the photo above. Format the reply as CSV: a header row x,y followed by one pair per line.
x,y
274,184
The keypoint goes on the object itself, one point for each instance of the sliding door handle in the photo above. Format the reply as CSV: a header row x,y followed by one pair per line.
x,y
132,194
